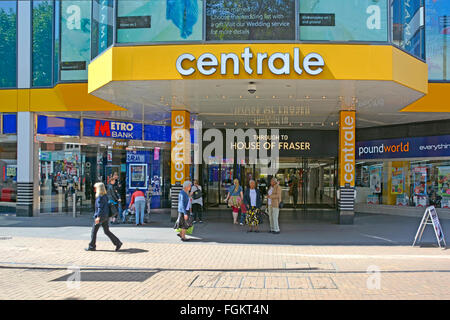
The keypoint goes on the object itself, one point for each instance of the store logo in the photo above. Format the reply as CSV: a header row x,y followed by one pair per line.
x,y
347,148
208,63
380,149
114,129
180,146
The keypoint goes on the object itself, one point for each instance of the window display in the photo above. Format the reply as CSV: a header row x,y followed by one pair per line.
x,y
418,183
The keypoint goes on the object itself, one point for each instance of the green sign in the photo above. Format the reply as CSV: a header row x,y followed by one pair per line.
x,y
75,39
344,20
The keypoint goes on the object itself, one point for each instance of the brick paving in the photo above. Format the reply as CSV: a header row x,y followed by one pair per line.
x,y
38,268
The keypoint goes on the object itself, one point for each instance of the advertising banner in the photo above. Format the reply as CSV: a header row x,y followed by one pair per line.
x,y
420,180
421,147
112,129
444,181
397,181
375,179
159,20
75,39
250,20
362,20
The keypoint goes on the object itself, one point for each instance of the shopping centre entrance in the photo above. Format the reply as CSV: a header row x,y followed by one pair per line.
x,y
306,183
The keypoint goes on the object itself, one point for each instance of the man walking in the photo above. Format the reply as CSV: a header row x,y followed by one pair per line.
x,y
273,203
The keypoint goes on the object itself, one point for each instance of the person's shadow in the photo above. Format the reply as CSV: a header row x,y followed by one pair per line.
x,y
127,251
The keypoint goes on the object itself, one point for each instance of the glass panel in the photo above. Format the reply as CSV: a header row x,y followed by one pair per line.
x,y
102,26
345,20
57,41
438,37
8,44
159,20
75,39
407,26
42,43
250,20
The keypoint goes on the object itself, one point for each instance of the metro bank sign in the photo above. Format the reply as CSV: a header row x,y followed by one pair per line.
x,y
112,129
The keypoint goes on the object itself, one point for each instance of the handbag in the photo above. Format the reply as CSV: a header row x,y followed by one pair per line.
x,y
281,205
189,231
113,211
197,194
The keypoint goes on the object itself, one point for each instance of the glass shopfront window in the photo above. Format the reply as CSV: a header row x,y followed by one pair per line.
x,y
345,20
416,183
8,44
437,39
250,20
159,21
8,172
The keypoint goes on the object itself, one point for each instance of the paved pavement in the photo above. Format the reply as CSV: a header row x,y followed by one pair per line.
x,y
43,258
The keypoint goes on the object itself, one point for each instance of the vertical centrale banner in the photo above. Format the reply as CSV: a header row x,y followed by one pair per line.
x,y
181,147
347,124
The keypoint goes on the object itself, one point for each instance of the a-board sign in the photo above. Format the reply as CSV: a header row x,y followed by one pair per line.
x,y
430,217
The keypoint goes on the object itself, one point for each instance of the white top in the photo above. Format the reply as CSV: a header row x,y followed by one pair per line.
x,y
253,197
269,202
199,200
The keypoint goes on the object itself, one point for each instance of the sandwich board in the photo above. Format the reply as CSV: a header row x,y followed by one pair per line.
x,y
430,217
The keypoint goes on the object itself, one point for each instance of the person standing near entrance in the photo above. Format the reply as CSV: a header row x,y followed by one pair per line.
x,y
197,201
101,217
273,204
253,202
113,197
183,213
234,199
138,200
293,191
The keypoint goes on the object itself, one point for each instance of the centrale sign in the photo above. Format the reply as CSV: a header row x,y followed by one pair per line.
x,y
207,63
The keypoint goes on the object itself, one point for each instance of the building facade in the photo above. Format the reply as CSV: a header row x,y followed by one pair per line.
x,y
346,103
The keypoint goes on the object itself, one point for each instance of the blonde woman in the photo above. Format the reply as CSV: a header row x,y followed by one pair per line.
x,y
234,199
101,217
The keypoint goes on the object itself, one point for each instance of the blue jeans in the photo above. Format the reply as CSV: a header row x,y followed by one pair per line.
x,y
140,210
121,215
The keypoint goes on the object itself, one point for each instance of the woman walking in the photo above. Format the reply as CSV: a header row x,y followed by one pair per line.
x,y
253,202
138,200
234,199
101,217
183,213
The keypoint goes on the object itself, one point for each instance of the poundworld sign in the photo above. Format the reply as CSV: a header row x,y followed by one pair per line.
x,y
207,63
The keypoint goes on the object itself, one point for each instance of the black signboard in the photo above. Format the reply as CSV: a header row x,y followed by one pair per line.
x,y
73,65
134,22
250,20
317,19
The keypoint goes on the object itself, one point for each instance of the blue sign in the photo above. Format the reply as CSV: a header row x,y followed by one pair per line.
x,y
421,147
10,123
58,126
157,133
112,129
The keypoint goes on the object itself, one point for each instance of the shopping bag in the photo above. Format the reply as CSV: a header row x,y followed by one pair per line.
x,y
190,230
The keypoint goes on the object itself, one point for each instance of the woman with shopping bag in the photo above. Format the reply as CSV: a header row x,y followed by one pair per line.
x,y
183,222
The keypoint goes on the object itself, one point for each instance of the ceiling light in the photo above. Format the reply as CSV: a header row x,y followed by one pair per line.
x,y
306,97
324,97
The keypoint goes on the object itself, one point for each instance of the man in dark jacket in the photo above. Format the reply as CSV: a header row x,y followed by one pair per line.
x,y
253,203
114,196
